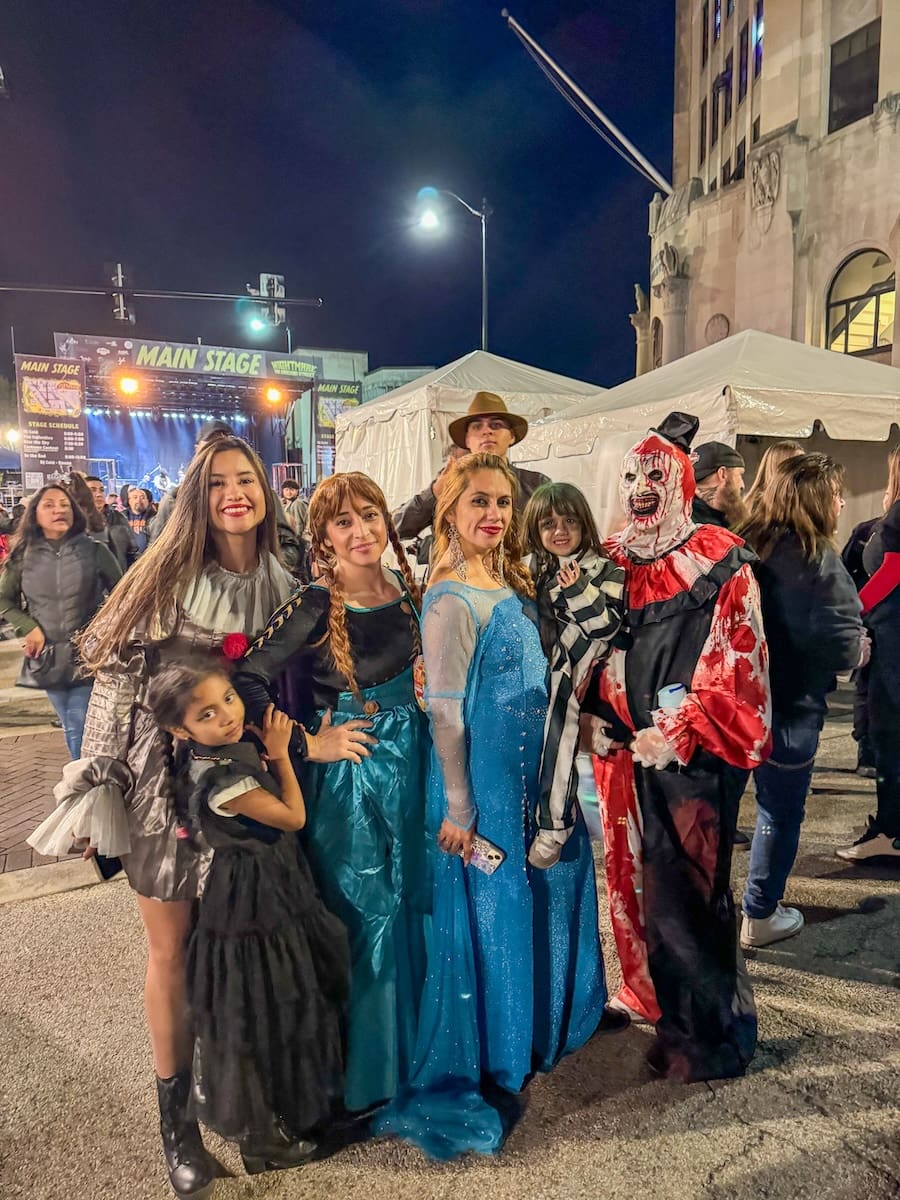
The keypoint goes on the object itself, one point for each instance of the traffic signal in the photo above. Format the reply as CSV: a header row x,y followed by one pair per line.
x,y
122,308
271,288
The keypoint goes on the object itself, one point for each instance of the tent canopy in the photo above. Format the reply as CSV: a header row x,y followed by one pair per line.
x,y
9,460
774,387
401,440
752,384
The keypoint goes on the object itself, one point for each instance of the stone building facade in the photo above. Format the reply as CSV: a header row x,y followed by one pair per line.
x,y
785,214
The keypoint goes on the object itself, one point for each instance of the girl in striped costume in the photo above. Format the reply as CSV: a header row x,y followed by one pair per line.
x,y
580,606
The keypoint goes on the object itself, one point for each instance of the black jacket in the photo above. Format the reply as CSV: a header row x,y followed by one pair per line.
x,y
705,514
118,538
417,515
57,585
852,553
883,622
811,614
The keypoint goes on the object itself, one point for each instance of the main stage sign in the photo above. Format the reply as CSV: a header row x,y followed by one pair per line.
x,y
108,354
334,397
52,420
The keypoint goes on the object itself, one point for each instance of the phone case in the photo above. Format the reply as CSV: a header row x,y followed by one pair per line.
x,y
486,856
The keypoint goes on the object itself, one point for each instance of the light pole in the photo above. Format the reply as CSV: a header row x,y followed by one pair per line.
x,y
430,219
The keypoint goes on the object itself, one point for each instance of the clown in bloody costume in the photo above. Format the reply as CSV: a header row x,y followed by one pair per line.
x,y
672,762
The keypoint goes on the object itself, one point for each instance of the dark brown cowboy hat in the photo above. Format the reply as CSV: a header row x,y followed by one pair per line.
x,y
487,404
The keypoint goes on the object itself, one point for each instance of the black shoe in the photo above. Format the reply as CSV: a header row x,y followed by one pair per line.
x,y
275,1152
190,1169
613,1021
741,841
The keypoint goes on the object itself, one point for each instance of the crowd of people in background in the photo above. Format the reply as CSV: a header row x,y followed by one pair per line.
x,y
350,812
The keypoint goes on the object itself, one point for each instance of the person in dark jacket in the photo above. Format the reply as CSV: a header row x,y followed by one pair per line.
x,y
881,603
51,586
118,536
139,511
719,475
852,558
288,542
811,614
487,428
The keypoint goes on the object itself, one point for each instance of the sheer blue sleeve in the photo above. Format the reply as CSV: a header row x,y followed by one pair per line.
x,y
449,634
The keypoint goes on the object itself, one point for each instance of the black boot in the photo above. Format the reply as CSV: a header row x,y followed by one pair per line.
x,y
276,1151
190,1171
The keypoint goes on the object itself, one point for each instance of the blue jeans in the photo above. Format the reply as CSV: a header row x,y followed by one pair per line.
x,y
781,787
71,706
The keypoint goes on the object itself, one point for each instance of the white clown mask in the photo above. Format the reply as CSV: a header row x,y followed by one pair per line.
x,y
656,490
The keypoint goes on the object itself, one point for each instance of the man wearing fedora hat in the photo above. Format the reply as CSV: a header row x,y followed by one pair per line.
x,y
487,428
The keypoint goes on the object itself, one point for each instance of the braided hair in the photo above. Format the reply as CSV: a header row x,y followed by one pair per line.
x,y
331,497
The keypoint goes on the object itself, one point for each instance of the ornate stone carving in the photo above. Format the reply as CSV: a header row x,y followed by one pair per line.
x,y
672,292
664,263
674,207
641,302
765,179
887,111
765,184
718,328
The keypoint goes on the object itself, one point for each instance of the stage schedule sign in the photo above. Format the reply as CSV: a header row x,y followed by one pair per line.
x,y
52,420
333,399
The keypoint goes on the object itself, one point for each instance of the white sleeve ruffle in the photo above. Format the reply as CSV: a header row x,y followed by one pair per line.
x,y
91,806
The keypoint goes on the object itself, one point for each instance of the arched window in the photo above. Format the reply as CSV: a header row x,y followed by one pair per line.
x,y
656,342
860,314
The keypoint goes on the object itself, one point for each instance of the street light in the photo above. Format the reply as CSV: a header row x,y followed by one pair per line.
x,y
12,437
430,220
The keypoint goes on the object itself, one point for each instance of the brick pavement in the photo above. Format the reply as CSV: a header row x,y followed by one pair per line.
x,y
30,766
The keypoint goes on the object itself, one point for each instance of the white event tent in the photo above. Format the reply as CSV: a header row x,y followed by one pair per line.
x,y
402,439
748,390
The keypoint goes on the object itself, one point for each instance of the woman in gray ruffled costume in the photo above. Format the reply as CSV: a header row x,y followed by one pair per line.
x,y
214,571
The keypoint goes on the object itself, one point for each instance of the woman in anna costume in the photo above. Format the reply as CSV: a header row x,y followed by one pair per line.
x,y
349,643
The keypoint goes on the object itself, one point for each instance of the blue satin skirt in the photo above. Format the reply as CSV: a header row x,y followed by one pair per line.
x,y
366,845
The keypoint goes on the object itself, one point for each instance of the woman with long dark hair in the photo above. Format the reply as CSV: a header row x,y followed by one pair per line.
x,y
812,620
213,572
348,645
61,577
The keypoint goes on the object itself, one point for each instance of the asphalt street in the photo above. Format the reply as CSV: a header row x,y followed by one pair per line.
x,y
817,1115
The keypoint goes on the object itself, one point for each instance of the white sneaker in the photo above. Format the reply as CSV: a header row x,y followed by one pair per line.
x,y
620,1006
872,844
762,931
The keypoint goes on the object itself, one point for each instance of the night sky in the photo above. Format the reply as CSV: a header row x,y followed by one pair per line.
x,y
206,141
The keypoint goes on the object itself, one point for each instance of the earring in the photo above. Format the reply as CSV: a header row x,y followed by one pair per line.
x,y
457,558
495,564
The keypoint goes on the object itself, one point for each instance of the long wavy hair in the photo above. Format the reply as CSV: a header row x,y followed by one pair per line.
x,y
799,498
567,501
330,498
149,589
30,532
778,452
82,495
457,479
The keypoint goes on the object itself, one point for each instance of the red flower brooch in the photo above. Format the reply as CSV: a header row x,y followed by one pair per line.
x,y
235,646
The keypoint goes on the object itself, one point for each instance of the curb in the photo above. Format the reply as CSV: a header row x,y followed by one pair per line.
x,y
31,883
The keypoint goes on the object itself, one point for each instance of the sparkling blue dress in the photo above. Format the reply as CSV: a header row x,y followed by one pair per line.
x,y
515,973
365,832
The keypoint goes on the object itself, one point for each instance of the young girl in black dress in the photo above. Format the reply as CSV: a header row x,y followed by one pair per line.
x,y
267,965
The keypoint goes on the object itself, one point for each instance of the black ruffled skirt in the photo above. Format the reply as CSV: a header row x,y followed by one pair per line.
x,y
268,971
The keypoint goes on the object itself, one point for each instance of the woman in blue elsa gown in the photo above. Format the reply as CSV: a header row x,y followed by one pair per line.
x,y
346,648
515,973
